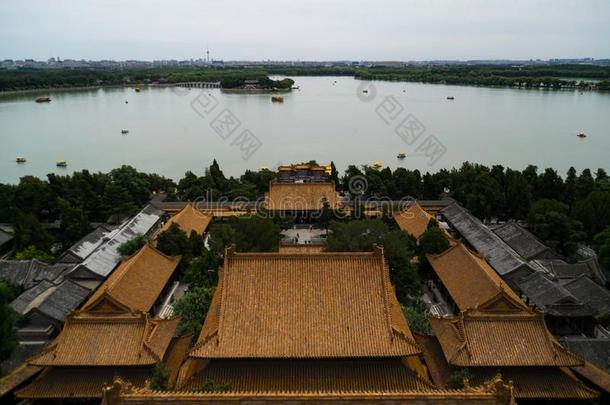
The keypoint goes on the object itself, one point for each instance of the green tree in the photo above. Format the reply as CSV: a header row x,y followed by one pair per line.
x,y
160,377
485,197
203,271
550,185
189,187
432,241
74,222
593,212
174,242
458,378
210,385
30,232
31,252
196,242
117,203
193,308
602,247
249,234
518,195
8,321
356,236
399,249
549,220
570,192
132,245
7,198
585,184
32,195
416,318
221,236
326,214
334,174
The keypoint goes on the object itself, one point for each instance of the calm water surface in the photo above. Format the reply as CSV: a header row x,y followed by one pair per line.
x,y
322,121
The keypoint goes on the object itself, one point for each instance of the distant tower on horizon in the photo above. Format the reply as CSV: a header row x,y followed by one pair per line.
x,y
208,54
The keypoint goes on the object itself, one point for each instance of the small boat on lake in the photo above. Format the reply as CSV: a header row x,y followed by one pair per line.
x,y
137,89
450,98
402,155
124,131
277,99
365,91
20,159
43,99
61,163
581,135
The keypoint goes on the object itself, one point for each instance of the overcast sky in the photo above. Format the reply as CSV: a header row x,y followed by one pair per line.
x,y
304,29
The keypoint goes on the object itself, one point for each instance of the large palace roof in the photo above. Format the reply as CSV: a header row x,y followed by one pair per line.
x,y
321,305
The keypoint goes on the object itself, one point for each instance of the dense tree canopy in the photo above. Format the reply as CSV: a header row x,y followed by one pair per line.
x,y
8,321
132,246
550,76
249,234
399,249
549,220
192,308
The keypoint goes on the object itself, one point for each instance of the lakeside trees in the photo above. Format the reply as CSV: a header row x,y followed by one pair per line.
x,y
546,76
502,193
492,192
524,76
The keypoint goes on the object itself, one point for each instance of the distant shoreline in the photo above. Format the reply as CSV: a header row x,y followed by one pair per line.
x,y
60,89
42,90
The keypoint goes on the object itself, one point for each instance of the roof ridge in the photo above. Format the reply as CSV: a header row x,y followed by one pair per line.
x,y
444,252
238,255
384,278
146,333
229,253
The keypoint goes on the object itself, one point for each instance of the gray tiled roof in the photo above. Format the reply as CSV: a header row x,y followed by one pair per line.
x,y
521,240
27,273
552,297
5,237
594,350
105,257
591,293
87,245
567,271
53,300
15,271
499,254
23,303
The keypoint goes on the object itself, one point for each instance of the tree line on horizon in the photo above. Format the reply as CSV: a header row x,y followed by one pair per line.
x,y
552,76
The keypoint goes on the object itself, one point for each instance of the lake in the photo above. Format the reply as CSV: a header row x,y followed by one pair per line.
x,y
172,130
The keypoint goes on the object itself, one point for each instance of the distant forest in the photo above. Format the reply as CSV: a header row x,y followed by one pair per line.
x,y
549,76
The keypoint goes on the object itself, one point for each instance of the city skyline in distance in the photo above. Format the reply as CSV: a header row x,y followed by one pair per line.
x,y
308,31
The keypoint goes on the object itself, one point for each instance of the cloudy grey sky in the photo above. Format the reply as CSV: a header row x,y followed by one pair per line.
x,y
305,29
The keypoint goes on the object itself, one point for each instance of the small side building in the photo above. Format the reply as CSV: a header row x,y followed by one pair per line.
x,y
414,220
189,219
517,345
112,335
102,260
